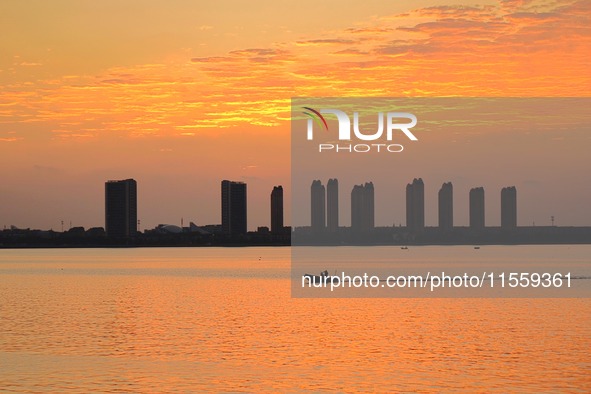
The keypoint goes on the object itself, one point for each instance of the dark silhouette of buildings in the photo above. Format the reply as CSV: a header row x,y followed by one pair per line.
x,y
477,208
446,206
318,205
233,208
277,210
509,207
121,223
332,204
415,205
121,208
362,207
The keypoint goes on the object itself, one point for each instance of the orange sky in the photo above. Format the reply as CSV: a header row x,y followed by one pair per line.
x,y
181,94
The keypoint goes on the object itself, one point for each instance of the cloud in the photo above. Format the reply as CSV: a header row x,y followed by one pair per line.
x,y
250,54
457,12
350,51
209,59
369,30
532,16
513,48
327,41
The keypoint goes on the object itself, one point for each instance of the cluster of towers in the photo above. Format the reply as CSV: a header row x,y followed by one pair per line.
x,y
234,209
121,208
325,206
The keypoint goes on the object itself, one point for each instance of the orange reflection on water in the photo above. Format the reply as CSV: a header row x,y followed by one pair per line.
x,y
222,320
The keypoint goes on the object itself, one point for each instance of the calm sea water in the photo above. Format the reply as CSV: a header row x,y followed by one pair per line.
x,y
222,319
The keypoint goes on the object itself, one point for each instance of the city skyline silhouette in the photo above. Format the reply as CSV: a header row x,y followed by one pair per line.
x,y
327,209
121,223
363,213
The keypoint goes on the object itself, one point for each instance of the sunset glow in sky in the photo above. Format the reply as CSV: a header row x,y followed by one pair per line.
x,y
182,94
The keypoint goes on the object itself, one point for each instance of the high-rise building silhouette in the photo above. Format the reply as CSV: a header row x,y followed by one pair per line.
x,y
356,206
277,209
318,205
233,208
477,207
332,204
121,208
415,205
509,207
362,207
446,206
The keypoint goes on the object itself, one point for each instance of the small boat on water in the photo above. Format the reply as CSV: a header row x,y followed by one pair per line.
x,y
404,248
324,277
477,247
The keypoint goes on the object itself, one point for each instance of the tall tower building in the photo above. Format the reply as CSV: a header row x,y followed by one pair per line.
x,y
233,208
121,208
318,205
409,206
362,207
446,206
332,205
356,206
415,205
477,207
277,209
509,207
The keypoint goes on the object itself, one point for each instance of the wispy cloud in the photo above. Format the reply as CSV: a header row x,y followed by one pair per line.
x,y
515,48
326,41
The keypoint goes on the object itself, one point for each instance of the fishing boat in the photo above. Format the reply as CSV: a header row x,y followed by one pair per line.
x,y
324,277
